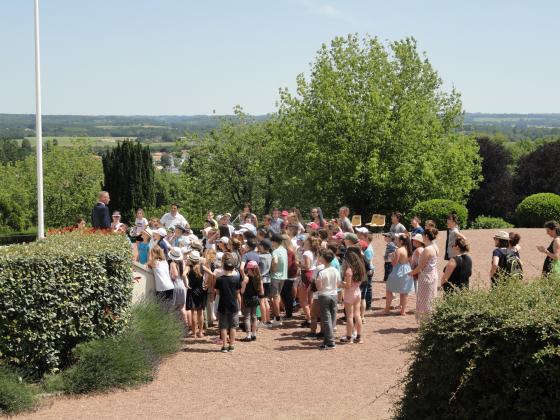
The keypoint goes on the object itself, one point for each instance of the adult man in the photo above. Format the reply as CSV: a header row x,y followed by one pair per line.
x,y
276,222
278,274
100,218
344,222
396,223
173,217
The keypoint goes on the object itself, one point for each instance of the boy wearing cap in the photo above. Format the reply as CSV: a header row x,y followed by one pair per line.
x,y
228,289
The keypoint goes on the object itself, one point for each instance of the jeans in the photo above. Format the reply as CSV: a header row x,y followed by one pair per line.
x,y
327,305
288,297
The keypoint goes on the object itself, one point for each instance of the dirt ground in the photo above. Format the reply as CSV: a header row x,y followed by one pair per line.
x,y
281,375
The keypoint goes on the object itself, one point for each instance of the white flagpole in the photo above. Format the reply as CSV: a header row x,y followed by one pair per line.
x,y
38,129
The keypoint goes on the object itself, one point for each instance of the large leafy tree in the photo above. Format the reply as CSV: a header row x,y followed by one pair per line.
x,y
538,171
372,128
495,196
129,177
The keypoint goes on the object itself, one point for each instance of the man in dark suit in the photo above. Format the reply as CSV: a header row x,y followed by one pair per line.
x,y
100,218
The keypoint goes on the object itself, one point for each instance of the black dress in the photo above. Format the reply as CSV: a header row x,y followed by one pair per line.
x,y
547,266
461,274
196,295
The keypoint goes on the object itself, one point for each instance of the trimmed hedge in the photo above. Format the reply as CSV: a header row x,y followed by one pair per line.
x,y
58,292
438,209
485,222
488,354
537,209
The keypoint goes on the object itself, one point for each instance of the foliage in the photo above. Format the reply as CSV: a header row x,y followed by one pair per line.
x,y
107,363
356,130
488,354
538,171
438,210
484,222
129,178
130,358
536,209
495,194
15,394
59,292
11,150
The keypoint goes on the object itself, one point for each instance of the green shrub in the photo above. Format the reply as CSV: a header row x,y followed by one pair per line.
x,y
15,394
130,358
485,222
58,292
438,209
160,329
488,355
109,362
536,209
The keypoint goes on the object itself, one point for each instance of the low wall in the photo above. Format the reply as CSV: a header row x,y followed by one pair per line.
x,y
144,283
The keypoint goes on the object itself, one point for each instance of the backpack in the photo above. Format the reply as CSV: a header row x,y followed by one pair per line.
x,y
510,263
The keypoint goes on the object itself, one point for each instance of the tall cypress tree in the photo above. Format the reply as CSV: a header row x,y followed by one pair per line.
x,y
129,178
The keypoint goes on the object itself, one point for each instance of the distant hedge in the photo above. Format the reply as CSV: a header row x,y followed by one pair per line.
x,y
536,209
438,209
489,355
485,222
58,292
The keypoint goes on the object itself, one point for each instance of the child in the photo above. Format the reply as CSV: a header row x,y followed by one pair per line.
x,y
228,287
140,223
178,276
251,288
354,273
160,268
390,248
196,294
327,282
143,246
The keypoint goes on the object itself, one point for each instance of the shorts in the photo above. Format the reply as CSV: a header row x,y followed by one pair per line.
x,y
276,287
228,321
266,287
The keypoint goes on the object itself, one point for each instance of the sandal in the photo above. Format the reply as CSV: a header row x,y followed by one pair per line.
x,y
359,339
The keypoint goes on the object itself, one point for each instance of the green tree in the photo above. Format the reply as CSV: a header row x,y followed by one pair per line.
x,y
372,128
129,177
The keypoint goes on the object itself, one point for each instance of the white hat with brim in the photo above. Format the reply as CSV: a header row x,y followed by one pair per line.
x,y
148,232
176,254
224,240
194,256
502,235
161,232
362,229
418,237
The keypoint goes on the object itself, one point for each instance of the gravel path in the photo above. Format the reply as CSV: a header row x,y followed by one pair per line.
x,y
281,375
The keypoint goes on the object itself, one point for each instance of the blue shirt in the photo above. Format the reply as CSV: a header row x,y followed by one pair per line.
x,y
143,249
418,229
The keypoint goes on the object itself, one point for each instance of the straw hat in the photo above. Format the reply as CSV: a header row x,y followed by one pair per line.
x,y
176,254
194,256
502,235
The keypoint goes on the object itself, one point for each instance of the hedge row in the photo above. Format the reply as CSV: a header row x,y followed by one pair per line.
x,y
438,210
488,355
59,292
536,209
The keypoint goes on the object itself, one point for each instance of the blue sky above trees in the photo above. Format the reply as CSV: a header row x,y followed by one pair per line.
x,y
179,57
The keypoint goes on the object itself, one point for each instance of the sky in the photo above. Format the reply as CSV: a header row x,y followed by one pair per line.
x,y
181,57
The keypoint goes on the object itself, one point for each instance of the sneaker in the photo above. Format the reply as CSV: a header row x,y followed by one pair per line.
x,y
224,350
310,336
305,324
320,335
326,347
277,323
346,339
253,338
269,324
231,348
248,338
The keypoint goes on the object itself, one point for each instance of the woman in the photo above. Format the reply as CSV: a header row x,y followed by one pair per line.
x,y
209,267
458,270
400,280
177,273
247,216
418,246
500,254
317,217
289,290
552,260
293,220
160,268
452,234
428,275
354,273
307,266
251,289
197,294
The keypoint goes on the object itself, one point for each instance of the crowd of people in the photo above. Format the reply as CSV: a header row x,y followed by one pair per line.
x,y
266,271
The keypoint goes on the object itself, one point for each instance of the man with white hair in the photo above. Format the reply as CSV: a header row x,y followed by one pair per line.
x,y
100,218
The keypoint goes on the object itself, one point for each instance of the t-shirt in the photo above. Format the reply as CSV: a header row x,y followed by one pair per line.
x,y
389,249
169,220
327,281
397,228
276,225
162,277
417,230
336,264
451,237
143,249
346,225
311,258
140,225
264,266
280,255
250,256
227,286
292,264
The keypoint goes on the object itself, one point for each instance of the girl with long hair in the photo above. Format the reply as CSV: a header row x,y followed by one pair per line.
x,y
428,275
179,278
251,289
197,294
307,266
354,273
400,280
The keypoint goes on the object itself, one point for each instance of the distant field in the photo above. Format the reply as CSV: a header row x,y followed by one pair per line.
x,y
70,141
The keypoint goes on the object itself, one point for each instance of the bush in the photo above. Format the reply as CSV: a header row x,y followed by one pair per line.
x,y
536,209
488,355
15,394
485,222
107,363
438,209
128,359
58,292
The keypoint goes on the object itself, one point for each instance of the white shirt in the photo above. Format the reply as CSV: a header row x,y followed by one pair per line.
x,y
162,277
168,220
328,281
